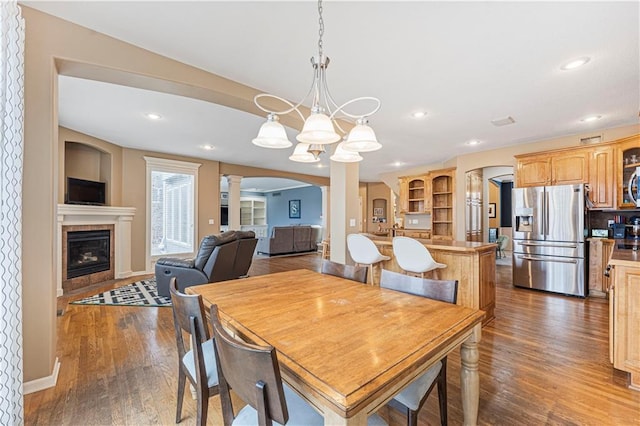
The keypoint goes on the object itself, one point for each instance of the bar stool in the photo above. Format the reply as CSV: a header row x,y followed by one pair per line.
x,y
412,256
364,252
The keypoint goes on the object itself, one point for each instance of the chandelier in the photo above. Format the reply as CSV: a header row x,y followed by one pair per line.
x,y
319,128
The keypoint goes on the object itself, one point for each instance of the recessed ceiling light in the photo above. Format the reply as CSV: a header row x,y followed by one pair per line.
x,y
398,164
153,116
473,142
419,114
591,118
575,63
208,147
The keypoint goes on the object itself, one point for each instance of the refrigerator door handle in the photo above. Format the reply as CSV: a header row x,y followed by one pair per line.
x,y
546,259
548,245
546,213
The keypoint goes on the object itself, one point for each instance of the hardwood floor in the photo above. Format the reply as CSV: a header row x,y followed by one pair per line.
x,y
543,360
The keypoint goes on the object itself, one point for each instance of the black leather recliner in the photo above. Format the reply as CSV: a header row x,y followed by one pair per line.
x,y
222,257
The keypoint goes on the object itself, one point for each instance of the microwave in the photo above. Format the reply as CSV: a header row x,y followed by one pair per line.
x,y
634,188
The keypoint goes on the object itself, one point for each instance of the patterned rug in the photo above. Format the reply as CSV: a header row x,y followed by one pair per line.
x,y
140,293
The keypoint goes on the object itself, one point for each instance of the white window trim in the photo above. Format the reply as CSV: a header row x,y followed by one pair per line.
x,y
169,166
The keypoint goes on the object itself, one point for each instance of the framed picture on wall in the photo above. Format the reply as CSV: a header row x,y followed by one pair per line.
x,y
378,211
294,209
492,210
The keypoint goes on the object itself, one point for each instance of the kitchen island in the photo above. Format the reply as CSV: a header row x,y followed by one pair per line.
x,y
624,310
473,264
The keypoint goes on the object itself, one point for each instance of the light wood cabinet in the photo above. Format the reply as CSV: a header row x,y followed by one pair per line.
x,y
432,193
402,203
602,177
414,233
599,253
442,204
624,321
415,194
627,150
559,168
533,171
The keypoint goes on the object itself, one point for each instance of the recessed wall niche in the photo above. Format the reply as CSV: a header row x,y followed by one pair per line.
x,y
84,161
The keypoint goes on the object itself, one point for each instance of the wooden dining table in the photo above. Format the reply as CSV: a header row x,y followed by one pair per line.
x,y
345,347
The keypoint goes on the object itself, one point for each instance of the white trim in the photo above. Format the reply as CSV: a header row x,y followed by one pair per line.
x,y
43,382
120,217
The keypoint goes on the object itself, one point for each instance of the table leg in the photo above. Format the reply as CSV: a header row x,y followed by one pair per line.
x,y
470,380
333,419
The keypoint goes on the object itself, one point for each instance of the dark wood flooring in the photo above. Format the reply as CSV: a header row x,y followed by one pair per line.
x,y
543,361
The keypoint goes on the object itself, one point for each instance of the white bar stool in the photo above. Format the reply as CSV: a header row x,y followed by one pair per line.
x,y
364,252
414,257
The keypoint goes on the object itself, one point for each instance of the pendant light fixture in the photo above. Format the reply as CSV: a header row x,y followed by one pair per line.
x,y
320,127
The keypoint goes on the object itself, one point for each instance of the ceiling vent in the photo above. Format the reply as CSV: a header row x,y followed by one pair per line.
x,y
590,140
503,121
276,194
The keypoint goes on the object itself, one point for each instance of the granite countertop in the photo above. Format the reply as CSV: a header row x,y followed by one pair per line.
x,y
624,255
447,245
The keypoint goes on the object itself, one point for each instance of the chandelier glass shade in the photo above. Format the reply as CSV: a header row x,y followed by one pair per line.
x,y
302,155
343,155
322,126
272,134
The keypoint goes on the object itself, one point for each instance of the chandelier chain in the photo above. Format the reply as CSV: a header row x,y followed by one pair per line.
x,y
320,30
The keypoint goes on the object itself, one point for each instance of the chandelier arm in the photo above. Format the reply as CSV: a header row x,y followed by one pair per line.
x,y
283,112
363,98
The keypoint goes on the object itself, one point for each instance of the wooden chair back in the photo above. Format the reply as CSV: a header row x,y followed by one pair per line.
x,y
443,290
186,306
350,272
253,374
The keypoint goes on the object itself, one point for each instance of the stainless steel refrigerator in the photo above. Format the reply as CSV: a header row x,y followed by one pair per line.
x,y
548,239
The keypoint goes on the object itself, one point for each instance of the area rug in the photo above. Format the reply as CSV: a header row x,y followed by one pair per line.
x,y
139,293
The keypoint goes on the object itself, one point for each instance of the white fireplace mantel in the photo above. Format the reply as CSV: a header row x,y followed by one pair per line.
x,y
120,217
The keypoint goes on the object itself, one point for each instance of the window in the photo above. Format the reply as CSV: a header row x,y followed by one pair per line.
x,y
171,207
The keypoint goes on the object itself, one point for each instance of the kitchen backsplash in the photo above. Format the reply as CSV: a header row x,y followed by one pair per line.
x,y
597,219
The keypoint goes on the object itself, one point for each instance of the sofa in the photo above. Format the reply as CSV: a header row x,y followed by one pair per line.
x,y
222,257
290,239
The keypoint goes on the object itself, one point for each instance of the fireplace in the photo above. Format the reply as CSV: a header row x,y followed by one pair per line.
x,y
88,252
87,256
117,220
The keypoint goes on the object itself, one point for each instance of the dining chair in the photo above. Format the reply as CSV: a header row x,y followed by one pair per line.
x,y
413,397
364,252
197,364
412,256
253,373
502,242
350,272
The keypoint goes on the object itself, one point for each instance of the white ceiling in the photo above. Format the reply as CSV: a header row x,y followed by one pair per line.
x,y
464,63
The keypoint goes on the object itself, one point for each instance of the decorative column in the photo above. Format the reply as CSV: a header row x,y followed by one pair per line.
x,y
326,212
234,202
344,208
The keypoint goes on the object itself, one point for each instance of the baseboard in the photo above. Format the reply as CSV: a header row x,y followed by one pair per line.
x,y
138,273
43,382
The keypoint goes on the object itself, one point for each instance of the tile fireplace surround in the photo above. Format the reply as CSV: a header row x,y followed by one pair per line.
x,y
119,217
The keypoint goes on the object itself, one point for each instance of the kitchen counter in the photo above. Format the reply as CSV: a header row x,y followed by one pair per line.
x,y
624,311
625,256
447,245
473,264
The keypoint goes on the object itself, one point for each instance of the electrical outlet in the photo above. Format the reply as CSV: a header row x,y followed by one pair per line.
x,y
211,222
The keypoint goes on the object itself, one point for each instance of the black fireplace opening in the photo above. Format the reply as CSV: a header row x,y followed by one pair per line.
x,y
88,252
